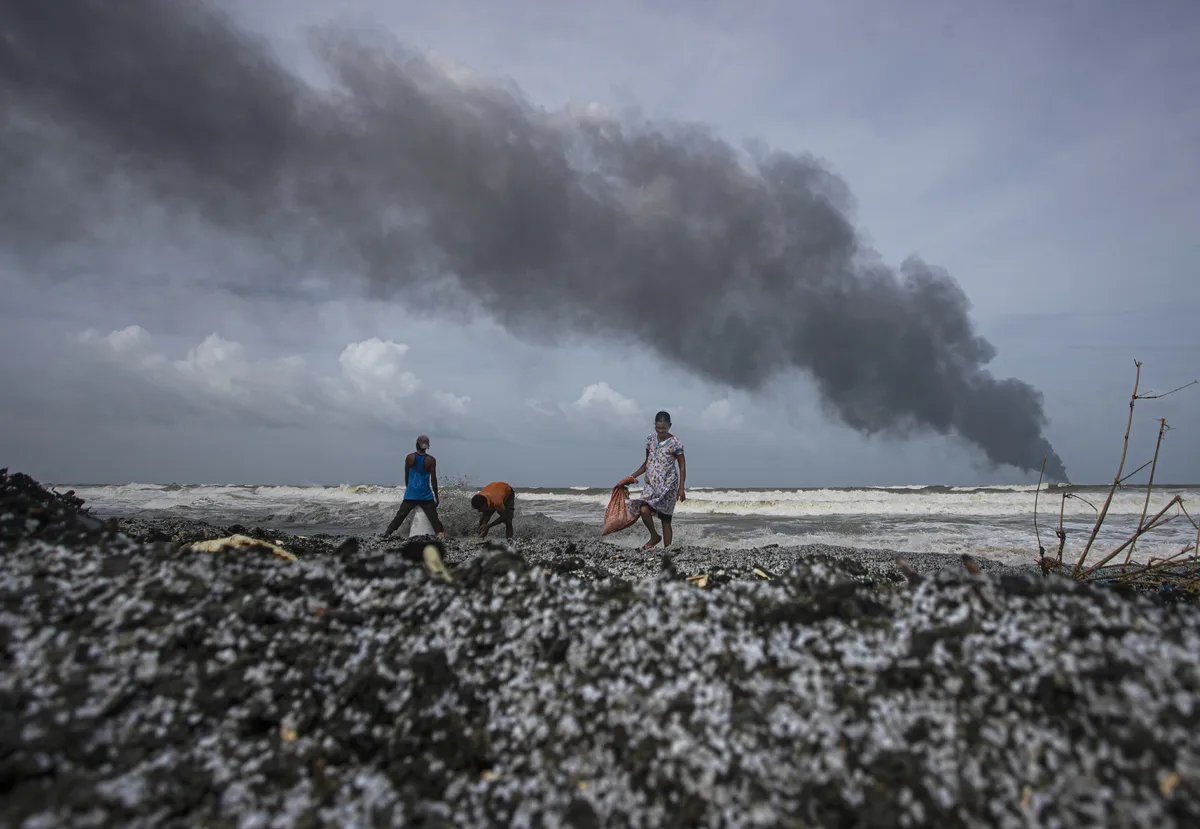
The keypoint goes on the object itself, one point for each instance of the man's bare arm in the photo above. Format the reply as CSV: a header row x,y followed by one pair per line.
x,y
433,479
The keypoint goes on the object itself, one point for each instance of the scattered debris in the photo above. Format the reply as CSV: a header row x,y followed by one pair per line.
x,y
145,686
431,556
238,542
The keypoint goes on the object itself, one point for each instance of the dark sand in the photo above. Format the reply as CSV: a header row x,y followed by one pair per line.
x,y
560,685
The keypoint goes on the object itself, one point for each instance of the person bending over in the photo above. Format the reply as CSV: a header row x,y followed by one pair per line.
x,y
420,489
666,472
496,497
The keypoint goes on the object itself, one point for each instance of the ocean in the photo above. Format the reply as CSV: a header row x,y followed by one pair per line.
x,y
991,521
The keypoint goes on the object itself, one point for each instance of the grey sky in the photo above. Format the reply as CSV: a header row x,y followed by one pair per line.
x,y
1044,157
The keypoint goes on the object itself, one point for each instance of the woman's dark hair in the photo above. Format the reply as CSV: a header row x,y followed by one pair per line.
x,y
663,417
478,502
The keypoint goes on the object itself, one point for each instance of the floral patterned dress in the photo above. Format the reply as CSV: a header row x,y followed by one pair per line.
x,y
661,488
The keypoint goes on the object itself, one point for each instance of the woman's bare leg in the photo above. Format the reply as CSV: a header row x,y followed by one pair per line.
x,y
666,533
648,519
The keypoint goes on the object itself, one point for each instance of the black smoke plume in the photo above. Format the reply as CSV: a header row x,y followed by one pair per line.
x,y
735,266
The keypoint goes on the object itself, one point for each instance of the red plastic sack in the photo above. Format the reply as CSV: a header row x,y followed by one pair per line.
x,y
618,517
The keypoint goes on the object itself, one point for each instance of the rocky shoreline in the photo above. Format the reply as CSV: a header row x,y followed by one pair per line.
x,y
568,682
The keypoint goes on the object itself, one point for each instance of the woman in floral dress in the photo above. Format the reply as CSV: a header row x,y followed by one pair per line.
x,y
664,480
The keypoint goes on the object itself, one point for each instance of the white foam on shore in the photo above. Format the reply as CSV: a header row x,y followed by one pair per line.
x,y
991,521
783,503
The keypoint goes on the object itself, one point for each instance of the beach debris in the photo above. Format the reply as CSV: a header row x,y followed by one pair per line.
x,y
429,555
971,564
763,574
432,559
347,548
472,691
907,571
237,542
700,580
1174,577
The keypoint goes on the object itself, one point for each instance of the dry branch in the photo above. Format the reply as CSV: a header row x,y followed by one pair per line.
x,y
1116,479
1061,533
1155,561
1162,430
1152,396
1036,493
1134,472
1152,569
1141,530
1079,497
1183,509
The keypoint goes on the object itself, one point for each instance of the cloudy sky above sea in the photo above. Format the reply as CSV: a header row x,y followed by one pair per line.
x,y
1042,154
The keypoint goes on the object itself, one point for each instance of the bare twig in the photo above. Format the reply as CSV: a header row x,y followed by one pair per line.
x,y
1078,497
1142,530
1162,430
1153,396
1161,565
1167,520
1036,493
1183,509
1134,472
1062,533
1117,478
1156,561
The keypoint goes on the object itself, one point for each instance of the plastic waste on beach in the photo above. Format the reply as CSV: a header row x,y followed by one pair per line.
x,y
618,517
235,542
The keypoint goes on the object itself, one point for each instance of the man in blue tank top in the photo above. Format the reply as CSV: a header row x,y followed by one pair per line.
x,y
420,489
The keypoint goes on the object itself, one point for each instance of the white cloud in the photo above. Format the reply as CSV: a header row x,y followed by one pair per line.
x,y
602,399
372,384
540,407
376,364
131,340
720,415
453,403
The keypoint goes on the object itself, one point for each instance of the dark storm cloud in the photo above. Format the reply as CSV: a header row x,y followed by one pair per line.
x,y
737,267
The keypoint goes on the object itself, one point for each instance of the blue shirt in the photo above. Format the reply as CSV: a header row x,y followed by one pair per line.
x,y
418,488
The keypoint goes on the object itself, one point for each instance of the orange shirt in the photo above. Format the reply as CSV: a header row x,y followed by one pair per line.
x,y
496,493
